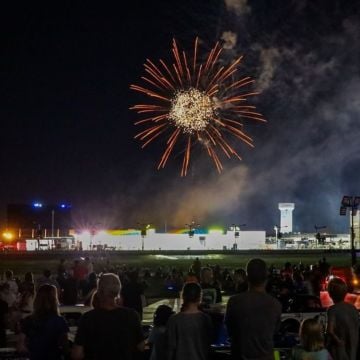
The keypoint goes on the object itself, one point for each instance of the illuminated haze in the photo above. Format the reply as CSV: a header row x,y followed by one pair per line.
x,y
308,153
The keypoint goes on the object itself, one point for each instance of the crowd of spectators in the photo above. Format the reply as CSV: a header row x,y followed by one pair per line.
x,y
112,328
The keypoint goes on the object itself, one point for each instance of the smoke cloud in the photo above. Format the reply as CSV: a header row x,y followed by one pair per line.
x,y
229,39
239,7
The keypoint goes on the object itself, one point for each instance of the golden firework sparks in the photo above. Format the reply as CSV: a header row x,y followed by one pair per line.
x,y
191,110
200,102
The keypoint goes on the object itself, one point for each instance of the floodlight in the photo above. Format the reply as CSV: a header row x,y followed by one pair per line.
x,y
342,211
346,201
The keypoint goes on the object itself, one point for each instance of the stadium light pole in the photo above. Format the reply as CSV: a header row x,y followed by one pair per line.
x,y
352,203
237,229
144,227
318,235
277,229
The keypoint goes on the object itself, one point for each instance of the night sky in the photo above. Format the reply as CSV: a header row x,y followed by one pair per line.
x,y
67,131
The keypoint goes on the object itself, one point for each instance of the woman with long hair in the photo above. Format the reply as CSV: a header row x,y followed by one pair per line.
x,y
311,342
43,334
190,331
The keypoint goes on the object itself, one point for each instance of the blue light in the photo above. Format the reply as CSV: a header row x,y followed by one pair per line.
x,y
65,206
37,205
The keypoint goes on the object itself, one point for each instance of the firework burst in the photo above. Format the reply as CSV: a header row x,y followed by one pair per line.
x,y
195,101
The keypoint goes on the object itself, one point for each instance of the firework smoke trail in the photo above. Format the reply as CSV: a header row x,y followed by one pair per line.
x,y
195,102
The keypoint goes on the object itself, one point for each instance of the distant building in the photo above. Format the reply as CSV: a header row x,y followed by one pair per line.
x,y
39,220
286,217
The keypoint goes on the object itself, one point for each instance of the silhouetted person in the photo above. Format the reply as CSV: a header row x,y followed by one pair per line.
x,y
190,331
343,323
132,292
108,331
253,317
44,333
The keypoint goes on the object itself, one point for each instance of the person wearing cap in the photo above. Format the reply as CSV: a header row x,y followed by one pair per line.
x,y
108,331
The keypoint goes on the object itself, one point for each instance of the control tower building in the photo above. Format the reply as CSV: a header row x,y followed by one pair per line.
x,y
286,217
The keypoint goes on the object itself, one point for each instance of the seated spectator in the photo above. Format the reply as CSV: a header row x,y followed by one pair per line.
x,y
207,282
47,279
157,338
311,342
43,334
343,323
108,331
189,332
9,279
7,295
253,317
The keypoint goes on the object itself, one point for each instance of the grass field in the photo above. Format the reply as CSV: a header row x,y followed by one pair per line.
x,y
36,262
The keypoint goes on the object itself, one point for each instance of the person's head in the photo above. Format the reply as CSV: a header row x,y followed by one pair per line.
x,y
9,275
162,315
46,301
256,272
47,273
191,294
92,278
87,259
337,289
206,275
239,275
311,335
109,287
29,277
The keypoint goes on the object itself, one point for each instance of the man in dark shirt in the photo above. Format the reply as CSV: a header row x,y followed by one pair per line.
x,y
132,292
108,331
252,317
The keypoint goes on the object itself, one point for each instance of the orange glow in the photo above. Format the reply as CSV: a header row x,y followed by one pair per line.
x,y
7,235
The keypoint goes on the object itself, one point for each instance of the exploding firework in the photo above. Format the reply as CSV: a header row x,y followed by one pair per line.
x,y
195,101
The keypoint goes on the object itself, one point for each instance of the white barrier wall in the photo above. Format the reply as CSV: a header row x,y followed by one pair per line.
x,y
158,241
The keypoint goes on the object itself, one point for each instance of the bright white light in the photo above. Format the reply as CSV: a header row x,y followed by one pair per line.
x,y
101,233
192,110
216,232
